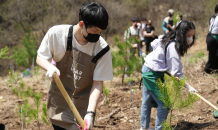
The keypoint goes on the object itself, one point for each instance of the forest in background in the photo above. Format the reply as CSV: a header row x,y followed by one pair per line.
x,y
18,16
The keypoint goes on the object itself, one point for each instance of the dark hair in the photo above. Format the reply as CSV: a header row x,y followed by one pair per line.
x,y
179,36
135,19
94,14
216,8
144,19
216,11
180,17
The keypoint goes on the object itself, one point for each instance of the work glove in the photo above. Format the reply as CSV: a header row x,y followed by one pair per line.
x,y
190,89
88,121
50,72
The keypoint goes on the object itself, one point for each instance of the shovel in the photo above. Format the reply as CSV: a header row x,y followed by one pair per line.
x,y
210,104
69,101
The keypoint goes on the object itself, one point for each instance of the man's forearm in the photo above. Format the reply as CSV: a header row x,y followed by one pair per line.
x,y
95,95
43,63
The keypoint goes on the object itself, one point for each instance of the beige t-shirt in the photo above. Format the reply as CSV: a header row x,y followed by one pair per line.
x,y
54,46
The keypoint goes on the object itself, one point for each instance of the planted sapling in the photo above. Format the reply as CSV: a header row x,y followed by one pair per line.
x,y
171,94
44,116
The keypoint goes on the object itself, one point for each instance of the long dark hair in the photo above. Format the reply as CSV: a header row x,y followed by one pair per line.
x,y
216,11
179,36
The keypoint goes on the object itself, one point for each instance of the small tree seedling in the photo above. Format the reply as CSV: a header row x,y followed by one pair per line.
x,y
23,56
172,96
124,59
45,114
35,111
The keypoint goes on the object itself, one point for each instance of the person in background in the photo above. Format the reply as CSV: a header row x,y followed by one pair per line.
x,y
212,44
133,31
176,43
149,36
179,20
167,24
142,37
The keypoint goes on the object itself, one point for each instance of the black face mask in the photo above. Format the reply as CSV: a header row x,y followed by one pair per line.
x,y
150,24
91,37
170,15
136,25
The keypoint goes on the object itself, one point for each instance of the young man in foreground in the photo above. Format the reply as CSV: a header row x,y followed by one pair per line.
x,y
83,62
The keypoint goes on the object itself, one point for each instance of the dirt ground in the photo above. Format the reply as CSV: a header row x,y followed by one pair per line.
x,y
115,112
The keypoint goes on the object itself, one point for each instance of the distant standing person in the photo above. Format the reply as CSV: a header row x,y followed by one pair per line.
x,y
180,19
167,24
149,35
133,31
212,44
142,37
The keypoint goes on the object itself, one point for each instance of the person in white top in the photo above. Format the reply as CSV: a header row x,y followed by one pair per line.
x,y
179,20
212,44
83,61
166,56
144,22
134,31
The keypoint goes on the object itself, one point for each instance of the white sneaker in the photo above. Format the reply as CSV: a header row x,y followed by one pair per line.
x,y
150,128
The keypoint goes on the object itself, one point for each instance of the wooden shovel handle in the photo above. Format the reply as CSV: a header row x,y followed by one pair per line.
x,y
69,101
210,104
206,101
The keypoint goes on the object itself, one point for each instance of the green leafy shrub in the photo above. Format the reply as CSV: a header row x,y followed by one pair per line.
x,y
176,17
4,53
23,56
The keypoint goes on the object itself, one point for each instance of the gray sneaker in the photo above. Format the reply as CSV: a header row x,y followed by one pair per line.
x,y
150,128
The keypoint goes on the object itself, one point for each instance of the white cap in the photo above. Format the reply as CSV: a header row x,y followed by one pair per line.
x,y
171,11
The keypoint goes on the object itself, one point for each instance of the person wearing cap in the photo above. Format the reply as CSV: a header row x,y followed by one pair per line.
x,y
83,62
167,24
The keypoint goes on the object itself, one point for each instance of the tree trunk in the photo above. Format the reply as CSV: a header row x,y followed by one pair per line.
x,y
123,79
